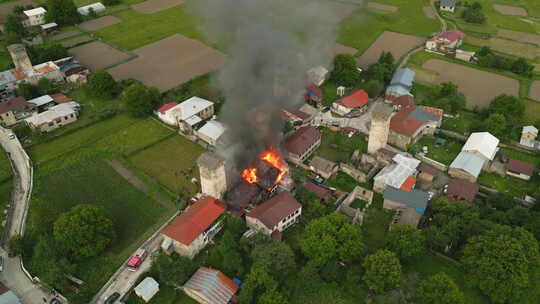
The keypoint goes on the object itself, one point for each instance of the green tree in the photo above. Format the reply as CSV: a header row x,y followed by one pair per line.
x,y
63,12
405,241
332,237
312,208
345,72
46,52
382,271
84,231
173,270
257,282
102,85
111,2
28,91
278,257
502,262
474,14
231,257
14,31
374,88
521,67
496,125
440,289
272,296
140,100
511,107
16,245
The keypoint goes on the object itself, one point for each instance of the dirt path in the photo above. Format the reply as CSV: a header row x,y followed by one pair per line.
x,y
137,182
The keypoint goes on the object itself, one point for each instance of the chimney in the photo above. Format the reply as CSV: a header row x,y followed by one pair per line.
x,y
20,57
380,126
213,175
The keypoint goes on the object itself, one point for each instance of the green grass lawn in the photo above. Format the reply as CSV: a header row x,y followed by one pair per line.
x,y
339,148
5,166
510,185
358,203
444,154
137,29
461,124
530,158
344,182
362,28
165,160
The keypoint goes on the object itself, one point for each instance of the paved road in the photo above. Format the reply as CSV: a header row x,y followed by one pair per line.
x,y
13,276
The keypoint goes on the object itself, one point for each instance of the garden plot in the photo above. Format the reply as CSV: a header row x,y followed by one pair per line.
x,y
382,7
98,55
534,92
397,44
343,10
99,23
76,41
7,8
66,35
429,12
510,10
170,62
514,48
154,6
478,86
519,36
338,48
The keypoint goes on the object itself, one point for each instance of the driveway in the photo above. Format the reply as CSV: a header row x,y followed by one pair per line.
x,y
360,123
13,276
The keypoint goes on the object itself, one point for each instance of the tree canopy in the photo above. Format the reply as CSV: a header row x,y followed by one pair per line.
x,y
174,270
345,72
511,107
84,231
14,31
332,237
382,271
278,257
257,283
63,12
140,100
502,262
405,241
102,85
440,289
496,125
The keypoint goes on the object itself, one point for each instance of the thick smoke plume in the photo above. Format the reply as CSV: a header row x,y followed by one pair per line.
x,y
270,45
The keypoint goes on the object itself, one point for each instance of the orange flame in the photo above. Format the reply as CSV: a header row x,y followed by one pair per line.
x,y
272,158
250,175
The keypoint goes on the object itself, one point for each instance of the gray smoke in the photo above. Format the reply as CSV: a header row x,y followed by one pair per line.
x,y
270,45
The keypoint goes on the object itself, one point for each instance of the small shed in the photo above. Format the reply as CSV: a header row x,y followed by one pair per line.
x,y
49,27
427,173
97,7
147,289
519,169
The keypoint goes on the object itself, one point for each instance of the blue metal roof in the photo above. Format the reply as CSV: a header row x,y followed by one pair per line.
x,y
415,199
404,77
468,162
423,116
448,2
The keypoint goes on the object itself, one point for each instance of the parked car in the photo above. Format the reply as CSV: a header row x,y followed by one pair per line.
x,y
112,298
318,179
55,301
12,136
136,260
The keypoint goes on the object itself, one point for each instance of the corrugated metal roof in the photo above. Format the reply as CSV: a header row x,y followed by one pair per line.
x,y
468,162
530,129
212,129
404,77
396,174
193,106
147,288
483,143
413,199
41,100
212,285
423,116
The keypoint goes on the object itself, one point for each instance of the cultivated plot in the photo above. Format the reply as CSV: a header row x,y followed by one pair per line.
x,y
515,48
382,7
429,12
7,8
338,48
534,92
519,36
343,10
170,62
99,23
154,6
76,41
395,43
98,55
65,35
478,86
510,10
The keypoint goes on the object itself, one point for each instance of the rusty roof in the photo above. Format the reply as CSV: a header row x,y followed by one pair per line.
x,y
520,167
404,123
321,192
302,140
16,103
423,167
271,212
60,98
462,189
213,285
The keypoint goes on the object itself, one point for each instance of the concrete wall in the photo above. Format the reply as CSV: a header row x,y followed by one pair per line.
x,y
431,162
55,124
399,140
518,175
213,182
358,175
8,118
378,134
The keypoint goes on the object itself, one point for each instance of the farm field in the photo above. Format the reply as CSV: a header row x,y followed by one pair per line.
x,y
7,8
509,185
161,65
396,43
510,10
514,48
342,10
362,29
534,92
519,36
532,111
98,55
166,160
382,7
154,6
479,87
99,23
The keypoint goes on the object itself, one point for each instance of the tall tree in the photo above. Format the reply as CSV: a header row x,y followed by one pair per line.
x,y
140,100
511,107
278,257
406,241
84,231
231,256
382,271
257,282
63,12
272,296
102,85
330,238
173,270
14,31
496,125
440,289
502,262
345,72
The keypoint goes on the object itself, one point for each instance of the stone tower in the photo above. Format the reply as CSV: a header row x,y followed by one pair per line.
x,y
20,57
380,126
213,175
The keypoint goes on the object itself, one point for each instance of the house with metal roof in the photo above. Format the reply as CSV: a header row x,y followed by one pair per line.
x,y
409,124
187,115
42,103
97,8
447,5
401,83
446,42
302,143
356,101
528,137
33,17
467,166
147,289
210,286
482,144
14,110
520,169
461,190
211,132
55,117
190,231
409,205
323,166
398,174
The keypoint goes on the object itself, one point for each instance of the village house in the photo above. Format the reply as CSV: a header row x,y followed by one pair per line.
x,y
302,143
275,215
401,83
323,167
211,286
324,194
356,101
519,169
147,289
49,28
445,42
400,102
54,117
482,144
313,94
190,231
466,166
14,110
410,124
60,98
448,5
211,132
97,8
408,205
426,173
461,190
318,75
528,137
33,17
7,296
186,114
72,70
296,117
400,174
476,155
42,103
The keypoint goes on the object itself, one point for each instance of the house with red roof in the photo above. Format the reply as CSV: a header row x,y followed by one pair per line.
x,y
356,101
190,231
211,286
410,124
275,215
445,42
187,114
302,143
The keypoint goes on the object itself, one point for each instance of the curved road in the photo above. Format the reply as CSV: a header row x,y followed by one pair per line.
x,y
13,275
